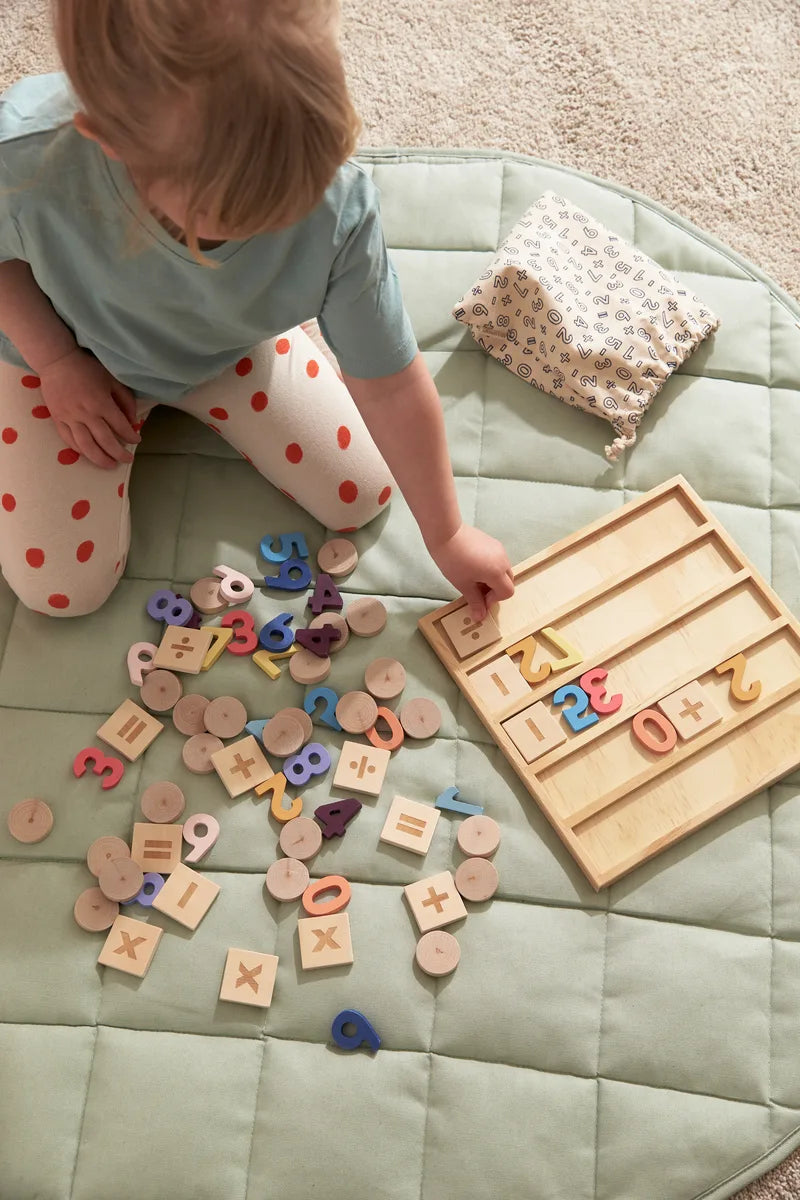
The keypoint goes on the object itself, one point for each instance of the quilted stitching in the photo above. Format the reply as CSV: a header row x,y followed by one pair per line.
x,y
634,1044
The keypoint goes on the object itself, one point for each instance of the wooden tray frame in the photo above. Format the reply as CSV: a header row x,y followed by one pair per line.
x,y
771,722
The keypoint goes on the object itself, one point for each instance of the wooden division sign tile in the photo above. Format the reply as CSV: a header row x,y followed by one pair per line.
x,y
643,679
183,649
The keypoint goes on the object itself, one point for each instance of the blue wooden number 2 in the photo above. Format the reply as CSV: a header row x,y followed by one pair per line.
x,y
575,715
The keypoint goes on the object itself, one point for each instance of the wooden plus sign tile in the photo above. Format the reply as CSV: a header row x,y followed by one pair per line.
x,y
242,766
435,901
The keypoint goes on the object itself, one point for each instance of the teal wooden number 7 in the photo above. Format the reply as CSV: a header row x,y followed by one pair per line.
x,y
574,714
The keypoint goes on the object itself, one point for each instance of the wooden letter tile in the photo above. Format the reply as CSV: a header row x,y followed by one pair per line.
x,y
249,977
242,766
361,768
157,847
435,901
130,730
690,709
468,636
410,824
534,731
130,946
325,941
186,896
183,649
499,683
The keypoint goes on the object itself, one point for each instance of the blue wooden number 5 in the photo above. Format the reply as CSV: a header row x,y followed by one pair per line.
x,y
575,715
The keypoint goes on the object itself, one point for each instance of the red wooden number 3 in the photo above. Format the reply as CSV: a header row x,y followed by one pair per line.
x,y
592,683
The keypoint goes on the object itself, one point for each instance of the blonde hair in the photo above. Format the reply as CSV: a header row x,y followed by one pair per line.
x,y
243,103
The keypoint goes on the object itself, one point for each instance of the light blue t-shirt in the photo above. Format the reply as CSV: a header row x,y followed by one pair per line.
x,y
157,319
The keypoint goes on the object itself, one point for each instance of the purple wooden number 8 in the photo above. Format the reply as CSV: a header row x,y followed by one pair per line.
x,y
164,605
313,759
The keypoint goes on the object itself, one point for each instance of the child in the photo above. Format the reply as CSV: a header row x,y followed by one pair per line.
x,y
173,215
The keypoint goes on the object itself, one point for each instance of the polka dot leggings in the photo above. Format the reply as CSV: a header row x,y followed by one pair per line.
x,y
65,523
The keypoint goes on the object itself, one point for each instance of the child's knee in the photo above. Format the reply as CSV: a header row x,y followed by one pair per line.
x,y
76,597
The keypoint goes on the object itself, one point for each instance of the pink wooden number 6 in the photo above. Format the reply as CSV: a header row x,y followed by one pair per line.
x,y
658,745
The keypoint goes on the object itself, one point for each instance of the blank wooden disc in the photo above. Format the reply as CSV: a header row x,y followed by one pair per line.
x,y
30,821
356,712
206,597
93,911
437,952
338,622
197,751
420,718
104,850
302,716
162,802
287,879
225,717
188,714
161,690
385,678
366,617
283,734
308,668
121,879
479,836
337,557
300,838
477,879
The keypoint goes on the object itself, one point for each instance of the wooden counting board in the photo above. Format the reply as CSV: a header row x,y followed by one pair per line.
x,y
643,679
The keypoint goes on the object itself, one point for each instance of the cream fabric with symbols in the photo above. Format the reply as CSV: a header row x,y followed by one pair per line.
x,y
581,314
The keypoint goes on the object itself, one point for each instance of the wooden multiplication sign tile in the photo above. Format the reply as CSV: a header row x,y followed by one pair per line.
x,y
643,678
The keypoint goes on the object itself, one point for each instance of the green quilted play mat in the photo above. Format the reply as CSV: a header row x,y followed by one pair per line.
x,y
640,1043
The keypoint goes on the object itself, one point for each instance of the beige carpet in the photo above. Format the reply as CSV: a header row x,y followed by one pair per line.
x,y
696,104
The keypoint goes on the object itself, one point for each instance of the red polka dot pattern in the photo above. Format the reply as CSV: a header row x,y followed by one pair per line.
x,y
219,414
41,412
9,502
384,496
282,346
343,436
259,401
34,558
312,369
79,509
121,490
84,551
294,452
31,381
348,492
58,600
9,435
244,366
67,457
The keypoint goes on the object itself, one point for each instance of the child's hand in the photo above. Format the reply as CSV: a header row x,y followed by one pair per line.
x,y
93,412
478,566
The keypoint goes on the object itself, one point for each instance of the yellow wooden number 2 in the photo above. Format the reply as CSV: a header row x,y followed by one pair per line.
x,y
571,656
737,665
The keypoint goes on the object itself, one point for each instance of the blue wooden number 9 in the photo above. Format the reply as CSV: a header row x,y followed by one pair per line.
x,y
574,714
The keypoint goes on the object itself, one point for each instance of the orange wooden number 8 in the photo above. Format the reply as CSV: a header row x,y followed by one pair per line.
x,y
658,745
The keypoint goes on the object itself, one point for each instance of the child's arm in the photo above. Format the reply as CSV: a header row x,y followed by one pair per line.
x,y
92,410
403,413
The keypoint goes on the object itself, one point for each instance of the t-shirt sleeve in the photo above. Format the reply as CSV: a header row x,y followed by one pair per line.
x,y
363,318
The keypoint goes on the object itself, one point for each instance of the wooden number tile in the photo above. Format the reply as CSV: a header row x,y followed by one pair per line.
x,y
739,690
130,946
361,768
241,766
410,825
435,901
690,709
157,847
130,730
499,683
186,896
249,977
183,649
325,941
534,731
468,636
